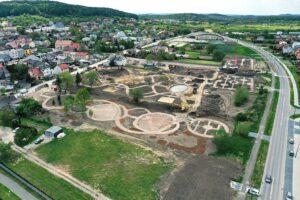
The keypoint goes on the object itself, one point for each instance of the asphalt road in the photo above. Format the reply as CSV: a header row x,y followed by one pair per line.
x,y
15,188
276,159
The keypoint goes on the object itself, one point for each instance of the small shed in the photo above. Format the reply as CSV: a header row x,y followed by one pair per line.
x,y
53,131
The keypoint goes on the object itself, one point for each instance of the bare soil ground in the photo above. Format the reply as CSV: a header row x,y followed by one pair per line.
x,y
200,178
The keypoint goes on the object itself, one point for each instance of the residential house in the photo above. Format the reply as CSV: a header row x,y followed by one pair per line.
x,y
16,53
4,73
81,56
36,73
63,44
120,36
297,54
4,57
296,45
60,68
281,44
287,49
32,60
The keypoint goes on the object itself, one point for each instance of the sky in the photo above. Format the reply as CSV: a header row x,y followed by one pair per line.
x,y
244,7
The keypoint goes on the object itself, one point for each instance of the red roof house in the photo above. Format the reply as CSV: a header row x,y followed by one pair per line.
x,y
81,55
63,44
36,72
64,67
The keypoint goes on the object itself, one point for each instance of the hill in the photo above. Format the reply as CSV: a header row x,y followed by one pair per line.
x,y
224,18
56,9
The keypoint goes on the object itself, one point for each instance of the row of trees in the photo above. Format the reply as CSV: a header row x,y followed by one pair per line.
x,y
65,80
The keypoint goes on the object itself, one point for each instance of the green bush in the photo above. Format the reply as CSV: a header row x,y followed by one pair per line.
x,y
241,96
7,117
243,128
136,95
218,55
6,153
28,107
25,135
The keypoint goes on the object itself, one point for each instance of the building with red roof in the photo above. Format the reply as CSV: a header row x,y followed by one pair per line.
x,y
64,67
36,73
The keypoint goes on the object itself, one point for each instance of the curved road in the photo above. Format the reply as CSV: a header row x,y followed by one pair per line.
x,y
276,158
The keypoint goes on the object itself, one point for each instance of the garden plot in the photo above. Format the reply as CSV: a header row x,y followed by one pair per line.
x,y
231,82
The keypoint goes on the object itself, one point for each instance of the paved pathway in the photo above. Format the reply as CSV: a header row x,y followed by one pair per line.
x,y
16,188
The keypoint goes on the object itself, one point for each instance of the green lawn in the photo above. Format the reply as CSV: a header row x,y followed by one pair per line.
x,y
260,164
200,62
193,54
120,170
53,186
296,75
6,194
272,113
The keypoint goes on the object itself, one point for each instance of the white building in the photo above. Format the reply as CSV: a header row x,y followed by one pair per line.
x,y
16,53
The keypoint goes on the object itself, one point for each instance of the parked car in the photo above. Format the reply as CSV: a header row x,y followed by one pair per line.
x,y
288,196
291,153
291,141
38,141
268,179
23,91
252,191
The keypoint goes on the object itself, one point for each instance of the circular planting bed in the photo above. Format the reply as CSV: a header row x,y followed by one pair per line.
x,y
153,122
104,112
179,88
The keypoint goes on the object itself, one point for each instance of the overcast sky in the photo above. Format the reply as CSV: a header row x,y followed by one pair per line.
x,y
255,7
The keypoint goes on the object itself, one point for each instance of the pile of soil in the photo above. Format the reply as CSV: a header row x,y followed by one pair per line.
x,y
212,105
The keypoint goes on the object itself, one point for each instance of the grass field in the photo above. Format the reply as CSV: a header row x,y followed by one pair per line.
x,y
119,169
272,113
200,62
53,186
260,164
6,194
193,54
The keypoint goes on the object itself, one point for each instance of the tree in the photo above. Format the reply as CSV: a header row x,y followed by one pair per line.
x,y
68,103
210,48
218,55
67,80
19,72
241,96
6,117
81,98
25,135
6,153
21,30
2,91
78,79
59,100
58,82
136,94
91,77
28,107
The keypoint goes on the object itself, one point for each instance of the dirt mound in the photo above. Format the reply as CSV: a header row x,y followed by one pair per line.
x,y
212,105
